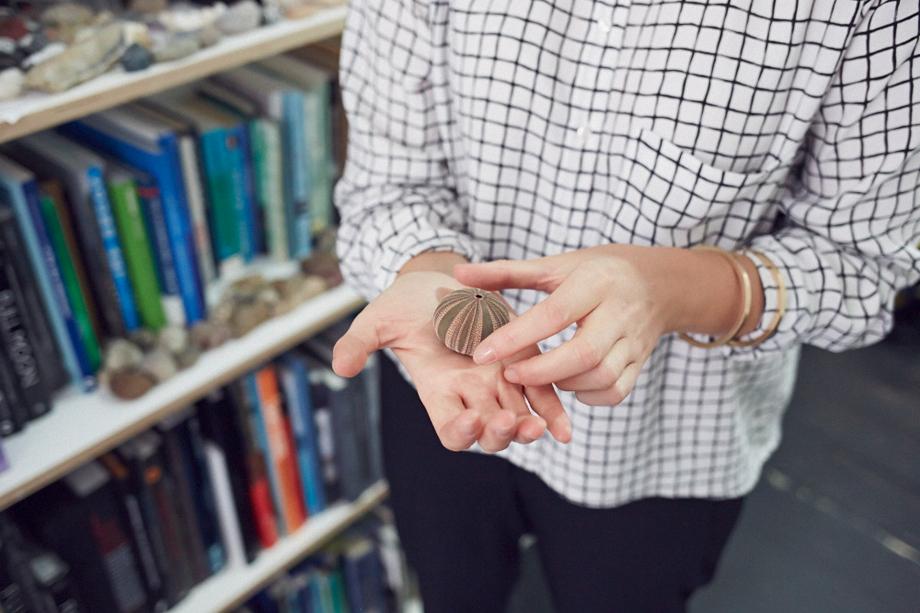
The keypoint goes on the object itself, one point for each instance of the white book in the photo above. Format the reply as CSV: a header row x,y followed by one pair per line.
x,y
227,519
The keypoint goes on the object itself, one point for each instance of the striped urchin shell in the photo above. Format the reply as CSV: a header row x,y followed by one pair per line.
x,y
466,316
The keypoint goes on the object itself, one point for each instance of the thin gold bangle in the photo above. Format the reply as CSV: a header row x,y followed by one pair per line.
x,y
746,291
780,299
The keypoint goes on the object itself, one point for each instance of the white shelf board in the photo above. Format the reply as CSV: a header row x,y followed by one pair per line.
x,y
82,426
35,111
232,586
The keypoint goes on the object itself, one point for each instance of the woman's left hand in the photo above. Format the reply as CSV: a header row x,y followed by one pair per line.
x,y
623,299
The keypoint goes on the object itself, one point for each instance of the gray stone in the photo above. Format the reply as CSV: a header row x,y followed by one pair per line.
x,y
11,81
136,58
160,364
174,339
241,17
209,334
176,47
187,356
144,338
185,18
247,316
209,36
122,353
79,62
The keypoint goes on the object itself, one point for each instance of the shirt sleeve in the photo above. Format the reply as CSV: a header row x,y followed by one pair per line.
x,y
397,197
852,217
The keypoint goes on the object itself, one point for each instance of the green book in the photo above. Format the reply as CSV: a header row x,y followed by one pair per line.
x,y
129,219
326,593
337,589
71,281
265,136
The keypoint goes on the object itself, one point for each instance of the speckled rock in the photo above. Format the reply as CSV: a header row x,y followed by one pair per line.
x,y
176,47
247,316
79,62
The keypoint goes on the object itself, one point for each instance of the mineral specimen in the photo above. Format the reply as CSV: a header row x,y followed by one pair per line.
x,y
79,62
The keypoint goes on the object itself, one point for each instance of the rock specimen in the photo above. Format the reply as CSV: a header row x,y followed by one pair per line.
x,y
130,383
79,62
176,46
241,17
136,58
11,81
466,316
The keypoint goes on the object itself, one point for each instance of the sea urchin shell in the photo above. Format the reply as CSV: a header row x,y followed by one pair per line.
x,y
466,316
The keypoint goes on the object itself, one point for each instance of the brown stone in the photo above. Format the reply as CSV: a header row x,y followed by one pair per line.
x,y
130,383
247,316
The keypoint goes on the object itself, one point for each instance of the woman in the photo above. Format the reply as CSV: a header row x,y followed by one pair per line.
x,y
576,155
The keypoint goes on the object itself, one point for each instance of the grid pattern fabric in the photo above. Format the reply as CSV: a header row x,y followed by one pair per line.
x,y
519,129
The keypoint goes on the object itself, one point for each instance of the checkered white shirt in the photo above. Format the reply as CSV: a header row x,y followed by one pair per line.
x,y
518,129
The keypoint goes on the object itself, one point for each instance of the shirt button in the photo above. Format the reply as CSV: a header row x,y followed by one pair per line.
x,y
582,134
604,26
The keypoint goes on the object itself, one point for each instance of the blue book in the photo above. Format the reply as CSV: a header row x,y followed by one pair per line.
x,y
19,190
252,225
363,576
284,103
296,383
135,137
258,427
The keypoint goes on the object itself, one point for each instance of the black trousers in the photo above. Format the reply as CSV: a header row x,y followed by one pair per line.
x,y
460,516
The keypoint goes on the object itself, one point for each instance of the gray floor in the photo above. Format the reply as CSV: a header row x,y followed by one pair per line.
x,y
834,525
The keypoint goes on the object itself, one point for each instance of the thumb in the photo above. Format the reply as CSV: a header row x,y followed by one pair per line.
x,y
352,350
504,274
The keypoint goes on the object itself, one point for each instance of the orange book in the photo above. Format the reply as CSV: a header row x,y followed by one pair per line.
x,y
281,448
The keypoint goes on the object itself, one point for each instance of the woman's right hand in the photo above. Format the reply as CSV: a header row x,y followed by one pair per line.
x,y
465,402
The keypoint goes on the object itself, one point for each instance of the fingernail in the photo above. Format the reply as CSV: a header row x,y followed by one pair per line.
x,y
484,355
511,375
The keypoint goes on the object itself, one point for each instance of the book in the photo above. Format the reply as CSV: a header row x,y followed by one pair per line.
x,y
265,163
141,540
325,437
284,103
363,577
222,141
78,518
13,416
280,447
148,192
36,320
190,163
16,339
220,426
177,464
132,230
19,191
75,290
82,174
296,383
316,84
132,135
156,495
346,399
259,490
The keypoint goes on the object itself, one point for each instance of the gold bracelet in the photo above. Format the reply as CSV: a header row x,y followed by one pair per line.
x,y
746,291
780,299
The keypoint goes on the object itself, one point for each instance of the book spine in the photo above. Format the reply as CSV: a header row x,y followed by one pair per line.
x,y
137,254
325,440
50,364
259,490
194,195
227,519
281,447
157,503
18,345
250,235
113,252
182,238
206,505
270,185
12,417
155,220
300,228
86,367
260,430
72,287
297,390
316,102
222,201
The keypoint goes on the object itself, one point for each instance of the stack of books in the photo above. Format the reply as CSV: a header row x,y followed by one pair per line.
x,y
207,489
123,220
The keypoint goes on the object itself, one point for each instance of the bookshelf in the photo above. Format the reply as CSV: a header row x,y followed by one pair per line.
x,y
232,586
35,111
83,426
